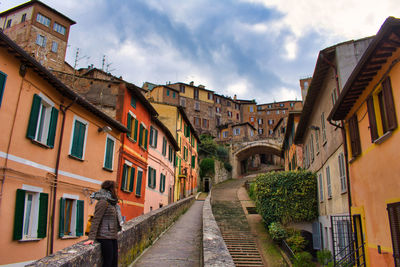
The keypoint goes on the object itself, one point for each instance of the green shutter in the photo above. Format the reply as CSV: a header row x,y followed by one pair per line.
x,y
139,183
163,187
193,161
149,175
161,175
124,175
135,131
146,133
78,139
42,222
129,125
133,101
109,153
151,135
132,179
19,214
61,222
3,78
154,178
141,135
33,118
155,138
52,127
79,217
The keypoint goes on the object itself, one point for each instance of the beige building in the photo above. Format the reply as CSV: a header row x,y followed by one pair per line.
x,y
40,30
323,144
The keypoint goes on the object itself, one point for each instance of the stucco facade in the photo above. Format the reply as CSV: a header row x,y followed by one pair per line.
x,y
52,156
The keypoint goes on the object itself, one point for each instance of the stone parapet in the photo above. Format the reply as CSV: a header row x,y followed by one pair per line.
x,y
136,235
215,252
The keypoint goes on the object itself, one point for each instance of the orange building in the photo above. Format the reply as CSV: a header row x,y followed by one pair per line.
x,y
55,149
293,153
370,107
135,112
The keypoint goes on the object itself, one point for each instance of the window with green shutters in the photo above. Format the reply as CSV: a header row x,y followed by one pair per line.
x,y
3,78
42,123
170,153
128,177
30,216
133,101
132,125
164,146
139,183
71,217
153,137
78,139
162,182
193,161
109,153
151,178
143,133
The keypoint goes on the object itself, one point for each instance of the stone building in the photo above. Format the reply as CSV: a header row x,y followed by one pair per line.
x,y
40,30
234,132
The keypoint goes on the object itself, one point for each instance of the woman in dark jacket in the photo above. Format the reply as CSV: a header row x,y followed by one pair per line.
x,y
106,223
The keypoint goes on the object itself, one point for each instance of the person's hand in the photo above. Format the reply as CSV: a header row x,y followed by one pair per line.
x,y
89,242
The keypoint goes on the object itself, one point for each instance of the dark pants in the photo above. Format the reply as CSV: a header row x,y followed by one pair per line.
x,y
109,250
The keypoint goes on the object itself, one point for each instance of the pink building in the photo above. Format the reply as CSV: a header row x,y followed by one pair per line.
x,y
160,173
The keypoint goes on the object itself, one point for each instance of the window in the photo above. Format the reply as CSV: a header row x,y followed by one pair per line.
x,y
54,47
3,78
355,144
292,104
268,112
260,121
270,131
259,108
139,182
251,109
230,114
183,102
151,178
210,111
321,188
133,102
128,177
78,138
218,100
143,133
283,111
43,20
193,161
218,120
334,96
342,173
71,216
41,40
164,147
312,147
252,119
132,125
197,106
23,18
210,96
205,123
59,28
8,25
381,111
42,121
181,88
237,106
394,222
153,137
252,133
196,93
173,94
30,218
167,92
323,127
277,112
328,182
109,154
237,116
225,134
218,109
170,153
236,131
260,131
317,142
228,103
162,182
270,122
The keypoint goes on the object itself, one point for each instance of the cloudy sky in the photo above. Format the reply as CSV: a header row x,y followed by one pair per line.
x,y
257,49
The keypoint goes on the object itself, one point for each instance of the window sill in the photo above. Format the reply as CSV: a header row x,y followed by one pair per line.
x,y
107,169
30,239
343,192
70,237
40,144
324,143
76,158
330,198
131,139
381,139
138,196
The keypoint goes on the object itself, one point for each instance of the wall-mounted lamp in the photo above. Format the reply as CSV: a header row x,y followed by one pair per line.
x,y
315,128
105,129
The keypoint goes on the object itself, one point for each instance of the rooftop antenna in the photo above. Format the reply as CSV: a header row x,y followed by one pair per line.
x,y
77,59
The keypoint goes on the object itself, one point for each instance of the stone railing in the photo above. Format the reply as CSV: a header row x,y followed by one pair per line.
x,y
136,235
215,252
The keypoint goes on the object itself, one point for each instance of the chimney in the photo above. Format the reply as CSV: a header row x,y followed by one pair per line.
x,y
234,97
192,83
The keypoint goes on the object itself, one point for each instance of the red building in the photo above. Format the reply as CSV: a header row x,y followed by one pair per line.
x,y
134,111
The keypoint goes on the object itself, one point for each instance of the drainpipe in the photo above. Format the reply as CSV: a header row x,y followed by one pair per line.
x,y
341,126
63,110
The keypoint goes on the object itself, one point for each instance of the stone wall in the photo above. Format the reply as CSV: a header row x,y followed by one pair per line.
x,y
137,234
221,174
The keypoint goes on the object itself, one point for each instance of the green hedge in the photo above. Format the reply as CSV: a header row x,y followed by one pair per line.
x,y
287,196
207,167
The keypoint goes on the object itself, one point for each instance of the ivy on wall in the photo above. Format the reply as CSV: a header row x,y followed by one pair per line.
x,y
287,196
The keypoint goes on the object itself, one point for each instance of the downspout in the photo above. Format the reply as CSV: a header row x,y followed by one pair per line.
x,y
63,110
341,126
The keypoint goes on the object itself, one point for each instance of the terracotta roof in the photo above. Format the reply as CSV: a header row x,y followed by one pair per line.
x,y
385,43
30,62
139,96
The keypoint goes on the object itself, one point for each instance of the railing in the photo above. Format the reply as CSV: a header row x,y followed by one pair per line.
x,y
355,258
285,247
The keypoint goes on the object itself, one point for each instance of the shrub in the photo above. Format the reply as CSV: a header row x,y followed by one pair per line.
x,y
251,191
207,146
228,166
302,259
295,241
277,231
287,196
222,153
207,167
324,257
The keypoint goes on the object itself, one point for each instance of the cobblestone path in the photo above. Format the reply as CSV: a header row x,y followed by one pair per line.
x,y
231,219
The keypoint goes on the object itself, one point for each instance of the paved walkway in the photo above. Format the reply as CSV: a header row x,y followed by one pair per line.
x,y
181,245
